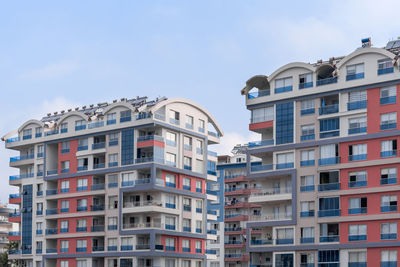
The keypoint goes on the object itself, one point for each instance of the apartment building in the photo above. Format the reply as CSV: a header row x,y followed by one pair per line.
x,y
119,184
329,159
5,227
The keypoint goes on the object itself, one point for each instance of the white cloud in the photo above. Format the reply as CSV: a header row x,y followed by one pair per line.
x,y
229,140
51,71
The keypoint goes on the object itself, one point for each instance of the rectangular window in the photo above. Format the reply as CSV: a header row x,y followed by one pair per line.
x,y
170,139
307,157
355,72
358,232
111,118
199,186
385,66
358,179
125,116
80,125
307,107
358,152
357,257
284,236
169,244
388,95
27,134
358,205
283,85
38,131
81,263
113,160
186,183
82,185
307,183
201,126
189,122
388,148
389,203
388,231
358,125
64,264
329,154
170,159
170,180
307,132
187,163
185,245
389,257
81,243
329,127
285,160
305,80
174,117
388,176
388,121
187,143
262,114
199,226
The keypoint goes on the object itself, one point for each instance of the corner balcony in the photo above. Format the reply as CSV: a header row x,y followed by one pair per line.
x,y
15,198
14,217
21,160
21,176
271,167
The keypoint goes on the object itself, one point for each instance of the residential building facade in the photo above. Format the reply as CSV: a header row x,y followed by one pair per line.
x,y
119,184
329,162
5,227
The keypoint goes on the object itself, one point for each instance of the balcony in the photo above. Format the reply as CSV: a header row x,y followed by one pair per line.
x,y
81,208
385,71
329,109
307,240
329,213
150,138
389,180
357,184
97,207
97,248
305,163
391,236
98,145
307,188
51,231
284,241
52,172
357,130
326,81
306,214
329,238
307,111
51,250
388,126
97,228
287,165
260,242
258,94
388,264
354,105
328,134
390,153
23,157
392,208
21,176
99,166
95,187
329,161
51,211
357,157
143,246
329,187
259,168
268,142
12,140
283,89
357,238
355,76
305,85
354,211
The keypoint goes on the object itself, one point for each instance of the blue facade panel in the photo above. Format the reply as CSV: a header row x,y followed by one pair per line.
x,y
284,123
26,242
127,146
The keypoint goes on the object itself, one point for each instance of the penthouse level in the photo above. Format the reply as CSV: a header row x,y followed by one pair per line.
x,y
120,184
329,161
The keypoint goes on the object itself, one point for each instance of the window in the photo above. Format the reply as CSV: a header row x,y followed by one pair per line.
x,y
262,114
329,232
125,116
38,132
82,185
170,180
127,179
283,85
329,127
355,72
186,183
199,206
174,117
189,122
307,158
358,205
186,263
307,132
307,235
329,154
358,96
307,209
358,125
389,256
64,205
187,225
64,264
358,152
201,126
388,121
388,148
198,246
112,242
82,203
305,80
187,143
65,186
357,257
199,226
64,245
113,160
388,203
64,147
64,127
329,207
358,179
285,160
185,245
171,139
113,139
170,201
80,125
111,118
27,134
64,226
169,263
284,236
64,166
199,147
169,223
388,176
81,223
187,163
199,186
83,164
81,263
385,66
170,159
358,232
388,95
81,244
307,183
307,107
388,231
169,244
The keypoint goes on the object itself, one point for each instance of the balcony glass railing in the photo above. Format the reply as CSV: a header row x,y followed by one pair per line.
x,y
99,145
389,180
21,176
113,142
390,236
307,137
354,105
328,187
357,130
388,126
329,213
305,85
358,211
98,187
325,110
125,119
96,124
355,76
382,71
268,142
305,188
390,153
328,134
392,208
144,115
259,242
80,127
307,111
99,166
283,89
111,121
304,163
305,214
22,157
307,240
357,238
387,100
357,157
284,241
51,211
357,183
258,94
329,238
326,81
329,161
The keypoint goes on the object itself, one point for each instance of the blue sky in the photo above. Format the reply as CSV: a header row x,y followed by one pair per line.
x,y
56,55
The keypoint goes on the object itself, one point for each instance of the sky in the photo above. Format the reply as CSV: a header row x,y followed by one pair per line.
x,y
56,55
